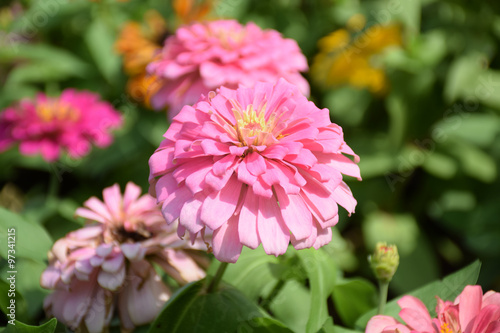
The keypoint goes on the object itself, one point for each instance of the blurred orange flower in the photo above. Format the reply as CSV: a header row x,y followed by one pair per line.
x,y
192,10
139,44
347,59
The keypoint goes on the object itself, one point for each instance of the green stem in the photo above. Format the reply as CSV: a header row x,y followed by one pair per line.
x,y
217,278
383,290
267,302
53,183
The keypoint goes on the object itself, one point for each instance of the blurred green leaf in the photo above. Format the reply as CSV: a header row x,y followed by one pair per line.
x,y
397,110
409,12
440,165
478,129
475,162
48,327
28,273
191,309
447,289
322,272
352,298
347,105
100,40
31,240
399,229
461,74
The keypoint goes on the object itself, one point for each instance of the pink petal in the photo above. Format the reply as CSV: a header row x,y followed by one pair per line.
x,y
100,312
219,206
255,164
469,305
190,216
483,320
247,223
113,200
132,193
142,300
172,205
378,324
415,314
112,265
99,207
272,230
295,213
226,241
90,215
111,281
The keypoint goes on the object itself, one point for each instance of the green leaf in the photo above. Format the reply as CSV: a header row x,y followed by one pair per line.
x,y
447,289
253,273
440,165
477,129
48,327
399,229
376,165
191,309
460,75
475,162
292,305
100,39
321,271
263,325
352,298
31,240
397,110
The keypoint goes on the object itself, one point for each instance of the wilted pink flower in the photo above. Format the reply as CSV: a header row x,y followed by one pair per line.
x,y
472,312
204,56
255,165
48,125
108,264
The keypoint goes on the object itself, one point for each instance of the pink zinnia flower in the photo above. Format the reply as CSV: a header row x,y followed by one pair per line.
x,y
254,165
108,264
472,312
48,125
204,56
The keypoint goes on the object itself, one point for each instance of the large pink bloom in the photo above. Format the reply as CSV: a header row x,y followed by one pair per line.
x,y
255,165
49,125
109,264
472,312
205,56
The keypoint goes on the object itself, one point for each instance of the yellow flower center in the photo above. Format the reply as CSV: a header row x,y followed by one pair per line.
x,y
445,328
53,110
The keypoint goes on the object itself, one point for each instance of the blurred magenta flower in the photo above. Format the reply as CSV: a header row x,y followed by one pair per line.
x,y
108,264
472,312
48,125
204,56
254,165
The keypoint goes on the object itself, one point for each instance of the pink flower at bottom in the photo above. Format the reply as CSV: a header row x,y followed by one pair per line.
x,y
472,312
254,165
108,264
49,125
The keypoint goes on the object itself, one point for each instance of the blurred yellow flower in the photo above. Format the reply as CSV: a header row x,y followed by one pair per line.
x,y
139,44
347,59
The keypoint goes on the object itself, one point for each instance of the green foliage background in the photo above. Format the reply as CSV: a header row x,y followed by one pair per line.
x,y
430,148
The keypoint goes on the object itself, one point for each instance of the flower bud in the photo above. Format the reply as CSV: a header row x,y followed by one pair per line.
x,y
385,261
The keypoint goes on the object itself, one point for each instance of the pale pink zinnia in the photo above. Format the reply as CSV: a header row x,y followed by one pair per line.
x,y
254,165
472,312
50,125
108,264
204,56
